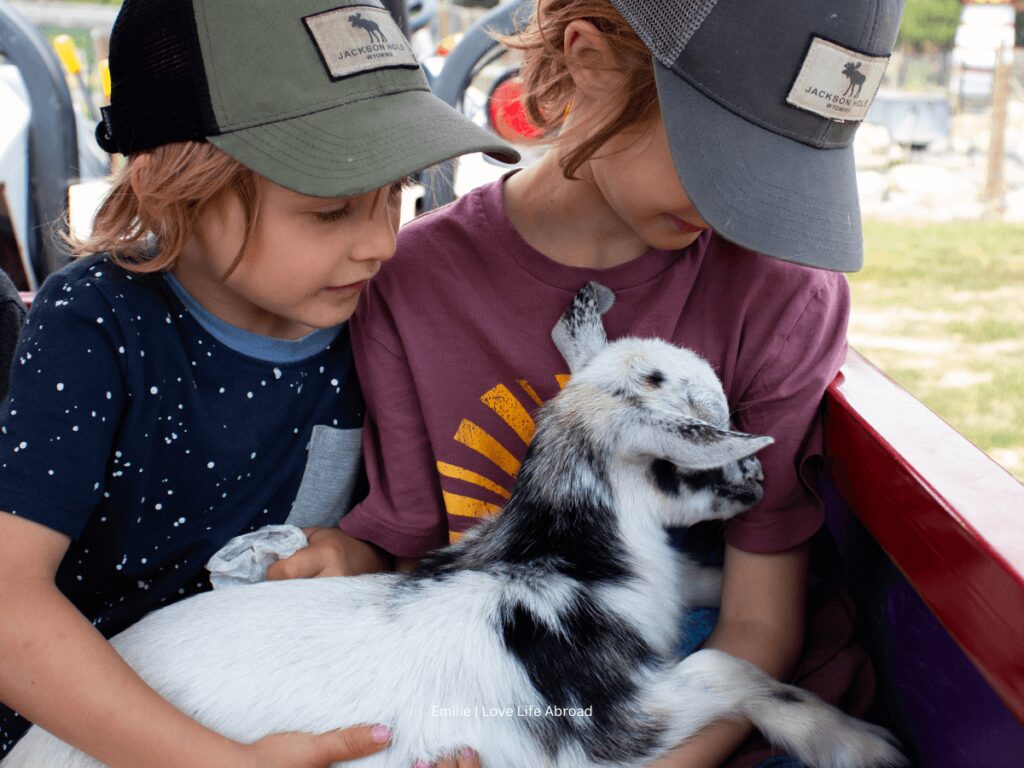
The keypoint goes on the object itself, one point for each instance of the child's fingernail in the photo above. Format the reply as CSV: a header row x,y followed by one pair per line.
x,y
381,734
468,753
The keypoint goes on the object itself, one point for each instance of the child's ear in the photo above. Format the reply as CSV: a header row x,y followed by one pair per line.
x,y
590,61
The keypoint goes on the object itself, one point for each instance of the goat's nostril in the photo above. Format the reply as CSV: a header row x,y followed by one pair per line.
x,y
752,468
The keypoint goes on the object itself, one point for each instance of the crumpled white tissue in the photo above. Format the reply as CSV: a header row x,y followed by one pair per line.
x,y
245,559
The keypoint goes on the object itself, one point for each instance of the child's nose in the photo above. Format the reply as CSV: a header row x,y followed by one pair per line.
x,y
376,240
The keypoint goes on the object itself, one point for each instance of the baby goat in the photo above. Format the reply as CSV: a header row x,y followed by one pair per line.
x,y
544,637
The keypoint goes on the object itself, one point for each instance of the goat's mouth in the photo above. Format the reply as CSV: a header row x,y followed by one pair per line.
x,y
747,494
736,494
720,484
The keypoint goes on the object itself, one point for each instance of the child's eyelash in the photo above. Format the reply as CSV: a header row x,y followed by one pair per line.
x,y
407,183
340,213
336,215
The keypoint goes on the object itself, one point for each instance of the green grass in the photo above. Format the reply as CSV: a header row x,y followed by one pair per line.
x,y
940,308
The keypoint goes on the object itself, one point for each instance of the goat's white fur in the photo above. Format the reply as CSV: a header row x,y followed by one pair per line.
x,y
431,654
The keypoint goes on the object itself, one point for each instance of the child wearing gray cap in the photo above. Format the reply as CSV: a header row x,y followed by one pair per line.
x,y
173,386
702,169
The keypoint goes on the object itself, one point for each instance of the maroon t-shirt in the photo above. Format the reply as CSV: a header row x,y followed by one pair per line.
x,y
453,348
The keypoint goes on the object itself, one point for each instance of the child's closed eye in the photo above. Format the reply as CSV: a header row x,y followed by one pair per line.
x,y
393,195
395,190
335,214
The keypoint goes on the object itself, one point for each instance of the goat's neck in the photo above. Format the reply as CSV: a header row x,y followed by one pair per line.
x,y
642,533
562,516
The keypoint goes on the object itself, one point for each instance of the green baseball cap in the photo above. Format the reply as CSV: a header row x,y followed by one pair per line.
x,y
322,97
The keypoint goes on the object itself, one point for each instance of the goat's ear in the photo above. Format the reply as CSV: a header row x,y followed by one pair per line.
x,y
579,333
696,445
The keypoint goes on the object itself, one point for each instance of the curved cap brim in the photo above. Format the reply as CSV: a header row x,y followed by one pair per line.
x,y
360,146
760,190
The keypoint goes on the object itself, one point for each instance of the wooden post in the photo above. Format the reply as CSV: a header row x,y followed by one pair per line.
x,y
443,20
992,197
100,44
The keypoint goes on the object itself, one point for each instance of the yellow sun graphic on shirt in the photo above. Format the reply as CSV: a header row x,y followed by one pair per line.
x,y
503,402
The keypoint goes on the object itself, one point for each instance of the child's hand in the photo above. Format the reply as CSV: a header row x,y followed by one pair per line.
x,y
330,553
306,750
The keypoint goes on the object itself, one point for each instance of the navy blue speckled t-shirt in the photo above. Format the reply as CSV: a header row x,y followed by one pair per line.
x,y
151,432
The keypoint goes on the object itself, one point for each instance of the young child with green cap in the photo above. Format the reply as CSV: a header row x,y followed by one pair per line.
x,y
702,169
172,387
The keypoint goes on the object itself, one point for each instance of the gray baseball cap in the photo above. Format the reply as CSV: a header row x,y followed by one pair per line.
x,y
324,97
761,101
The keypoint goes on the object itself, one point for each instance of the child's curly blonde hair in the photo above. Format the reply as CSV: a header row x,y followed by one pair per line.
x,y
160,194
548,87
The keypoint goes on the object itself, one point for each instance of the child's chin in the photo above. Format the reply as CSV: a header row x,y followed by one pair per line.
x,y
338,316
673,240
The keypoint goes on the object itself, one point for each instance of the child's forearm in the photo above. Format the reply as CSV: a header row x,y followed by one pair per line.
x,y
709,748
61,673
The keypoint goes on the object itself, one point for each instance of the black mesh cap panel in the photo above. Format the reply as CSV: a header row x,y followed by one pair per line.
x,y
159,92
665,27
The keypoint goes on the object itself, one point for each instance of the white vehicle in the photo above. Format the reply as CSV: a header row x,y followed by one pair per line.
x,y
44,150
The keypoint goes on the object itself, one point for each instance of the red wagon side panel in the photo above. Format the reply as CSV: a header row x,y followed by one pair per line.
x,y
949,517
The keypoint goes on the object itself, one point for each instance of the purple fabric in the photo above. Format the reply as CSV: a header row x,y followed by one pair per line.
x,y
943,710
454,352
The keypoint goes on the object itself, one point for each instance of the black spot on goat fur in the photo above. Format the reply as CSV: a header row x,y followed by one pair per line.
x,y
654,379
575,540
786,695
699,433
669,479
591,662
437,564
714,479
666,476
576,535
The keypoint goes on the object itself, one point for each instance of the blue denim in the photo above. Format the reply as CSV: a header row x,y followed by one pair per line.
x,y
697,623
781,761
694,629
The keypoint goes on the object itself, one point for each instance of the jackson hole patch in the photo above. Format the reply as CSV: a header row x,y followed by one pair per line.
x,y
837,83
359,38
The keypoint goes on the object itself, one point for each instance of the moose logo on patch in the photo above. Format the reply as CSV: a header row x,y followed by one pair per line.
x,y
837,83
856,78
372,27
359,38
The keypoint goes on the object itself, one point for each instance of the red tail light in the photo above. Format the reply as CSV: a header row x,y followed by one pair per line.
x,y
506,113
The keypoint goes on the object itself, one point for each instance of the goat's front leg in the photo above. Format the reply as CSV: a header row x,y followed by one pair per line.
x,y
711,685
